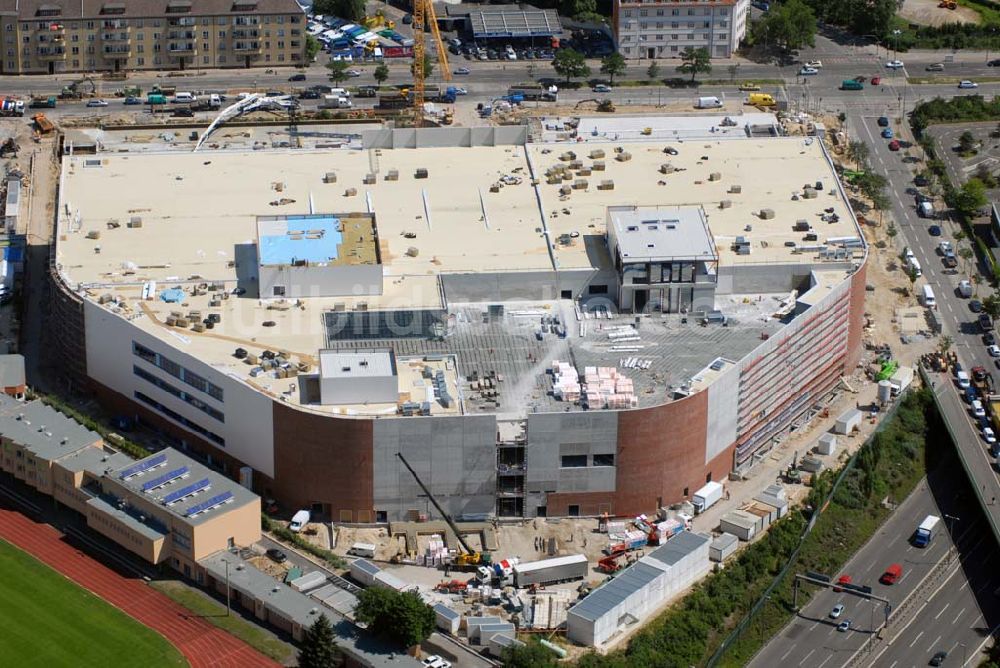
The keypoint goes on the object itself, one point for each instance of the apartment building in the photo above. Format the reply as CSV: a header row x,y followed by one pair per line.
x,y
664,28
53,36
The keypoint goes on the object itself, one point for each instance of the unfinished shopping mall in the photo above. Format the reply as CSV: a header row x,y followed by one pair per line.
x,y
596,320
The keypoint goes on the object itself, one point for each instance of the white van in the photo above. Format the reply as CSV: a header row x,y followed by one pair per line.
x,y
708,103
928,295
926,210
340,92
914,266
184,98
299,520
366,550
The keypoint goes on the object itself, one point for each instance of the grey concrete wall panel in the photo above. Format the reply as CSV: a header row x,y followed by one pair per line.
x,y
514,135
514,286
454,456
552,435
723,402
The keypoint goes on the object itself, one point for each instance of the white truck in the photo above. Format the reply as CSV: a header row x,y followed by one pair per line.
x,y
706,497
926,531
299,520
335,102
901,379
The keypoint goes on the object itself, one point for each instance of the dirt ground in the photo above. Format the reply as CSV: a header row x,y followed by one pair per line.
x,y
927,12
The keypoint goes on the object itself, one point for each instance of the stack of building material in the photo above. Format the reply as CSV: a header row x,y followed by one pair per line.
x,y
548,608
435,554
662,531
566,381
605,387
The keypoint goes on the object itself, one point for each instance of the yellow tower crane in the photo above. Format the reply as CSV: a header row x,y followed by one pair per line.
x,y
423,10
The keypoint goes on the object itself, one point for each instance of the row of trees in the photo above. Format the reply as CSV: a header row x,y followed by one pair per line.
x,y
860,17
572,64
871,184
786,27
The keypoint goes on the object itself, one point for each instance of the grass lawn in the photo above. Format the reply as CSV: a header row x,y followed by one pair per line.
x,y
49,621
214,612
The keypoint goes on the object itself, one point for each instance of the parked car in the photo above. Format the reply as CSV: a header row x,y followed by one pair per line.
x,y
815,64
934,230
807,71
895,65
894,145
945,247
844,626
97,102
670,150
602,88
939,658
749,86
921,181
967,84
977,408
353,74
277,555
183,112
837,611
883,121
989,436
462,70
993,350
976,306
887,133
435,661
989,339
297,77
309,95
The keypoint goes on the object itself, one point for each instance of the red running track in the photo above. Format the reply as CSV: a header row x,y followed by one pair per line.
x,y
203,645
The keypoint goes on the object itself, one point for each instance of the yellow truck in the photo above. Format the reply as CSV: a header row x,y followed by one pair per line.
x,y
760,100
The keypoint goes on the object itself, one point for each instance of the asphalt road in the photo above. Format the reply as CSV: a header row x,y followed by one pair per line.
x,y
812,640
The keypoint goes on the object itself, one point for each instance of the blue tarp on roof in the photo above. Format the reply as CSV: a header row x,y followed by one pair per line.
x,y
172,295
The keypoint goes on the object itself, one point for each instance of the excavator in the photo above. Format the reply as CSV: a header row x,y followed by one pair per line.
x,y
468,560
72,90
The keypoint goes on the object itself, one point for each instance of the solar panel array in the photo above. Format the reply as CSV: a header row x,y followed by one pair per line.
x,y
193,488
143,466
162,480
513,23
208,504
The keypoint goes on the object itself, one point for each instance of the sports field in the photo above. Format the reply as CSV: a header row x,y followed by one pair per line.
x,y
49,621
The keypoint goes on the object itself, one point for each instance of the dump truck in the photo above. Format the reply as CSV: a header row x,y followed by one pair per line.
x,y
551,571
925,533
43,102
43,124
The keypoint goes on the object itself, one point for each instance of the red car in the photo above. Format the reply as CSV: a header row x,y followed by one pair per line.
x,y
894,145
841,581
876,81
891,575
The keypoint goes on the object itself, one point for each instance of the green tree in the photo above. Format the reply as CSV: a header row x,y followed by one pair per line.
x,y
353,10
337,70
428,66
970,198
381,73
402,616
570,64
695,61
966,142
789,26
532,655
613,65
653,71
966,254
319,650
312,48
881,203
858,152
991,306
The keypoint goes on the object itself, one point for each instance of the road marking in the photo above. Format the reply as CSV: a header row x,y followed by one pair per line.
x,y
916,639
942,610
955,621
828,657
813,627
807,657
785,655
936,641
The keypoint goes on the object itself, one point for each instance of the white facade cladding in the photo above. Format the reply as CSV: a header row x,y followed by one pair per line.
x,y
635,593
664,28
180,388
723,399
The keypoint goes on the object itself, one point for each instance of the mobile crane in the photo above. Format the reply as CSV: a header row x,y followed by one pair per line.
x,y
422,11
470,559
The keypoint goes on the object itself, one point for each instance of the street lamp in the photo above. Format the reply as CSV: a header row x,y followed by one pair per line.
x,y
226,562
964,657
951,530
895,43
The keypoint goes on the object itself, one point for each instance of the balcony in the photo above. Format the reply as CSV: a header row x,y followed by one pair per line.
x,y
117,51
186,21
246,47
245,34
53,53
182,48
115,37
182,34
115,25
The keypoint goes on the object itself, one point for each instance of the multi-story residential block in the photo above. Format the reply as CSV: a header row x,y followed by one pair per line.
x,y
52,36
664,28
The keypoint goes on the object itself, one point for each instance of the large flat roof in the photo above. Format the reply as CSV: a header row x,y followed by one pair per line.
x,y
662,233
42,430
